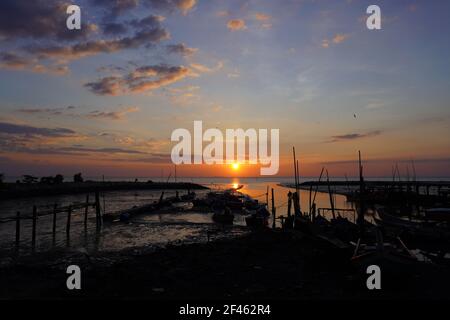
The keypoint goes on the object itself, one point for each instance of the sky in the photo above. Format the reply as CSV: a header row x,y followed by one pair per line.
x,y
105,99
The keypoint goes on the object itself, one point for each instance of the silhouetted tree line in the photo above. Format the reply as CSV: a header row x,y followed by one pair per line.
x,y
57,179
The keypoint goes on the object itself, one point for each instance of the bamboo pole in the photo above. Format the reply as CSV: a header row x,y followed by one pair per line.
x,y
97,210
298,192
331,196
361,197
273,211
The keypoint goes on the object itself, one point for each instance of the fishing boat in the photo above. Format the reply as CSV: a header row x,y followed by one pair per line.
x,y
421,228
258,218
229,198
390,256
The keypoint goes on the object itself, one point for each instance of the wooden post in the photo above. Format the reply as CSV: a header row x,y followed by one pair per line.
x,y
331,196
298,191
296,206
54,223
310,200
267,198
97,209
17,229
273,211
361,197
313,212
33,230
86,210
69,216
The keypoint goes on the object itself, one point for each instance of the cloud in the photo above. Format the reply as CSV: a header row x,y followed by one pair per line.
x,y
75,151
52,111
223,13
181,49
105,86
339,38
154,158
185,5
262,17
12,61
52,58
99,150
113,28
21,129
391,160
205,69
97,114
117,7
142,79
38,19
112,115
236,25
355,136
153,33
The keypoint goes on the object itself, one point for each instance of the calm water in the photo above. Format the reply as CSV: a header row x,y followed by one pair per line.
x,y
151,230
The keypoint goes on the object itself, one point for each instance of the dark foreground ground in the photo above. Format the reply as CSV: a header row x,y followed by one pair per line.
x,y
268,264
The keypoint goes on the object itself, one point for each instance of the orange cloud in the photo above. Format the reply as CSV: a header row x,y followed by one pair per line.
x,y
262,17
339,38
236,25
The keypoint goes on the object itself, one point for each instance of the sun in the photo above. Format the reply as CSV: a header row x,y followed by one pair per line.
x,y
235,166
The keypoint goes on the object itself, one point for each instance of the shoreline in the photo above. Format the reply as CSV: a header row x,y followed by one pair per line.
x,y
261,265
10,191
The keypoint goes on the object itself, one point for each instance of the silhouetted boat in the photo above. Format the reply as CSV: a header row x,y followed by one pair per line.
x,y
258,218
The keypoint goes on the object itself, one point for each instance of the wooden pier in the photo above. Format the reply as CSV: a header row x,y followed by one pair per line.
x,y
68,210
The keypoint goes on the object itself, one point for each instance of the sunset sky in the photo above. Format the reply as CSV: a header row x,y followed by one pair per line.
x,y
105,100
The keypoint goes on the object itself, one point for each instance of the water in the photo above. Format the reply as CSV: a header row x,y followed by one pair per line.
x,y
146,231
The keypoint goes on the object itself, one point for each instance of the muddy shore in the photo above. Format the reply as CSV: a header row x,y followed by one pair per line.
x,y
272,265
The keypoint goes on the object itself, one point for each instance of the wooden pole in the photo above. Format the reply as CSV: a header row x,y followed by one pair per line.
x,y
273,211
17,229
97,209
295,169
86,210
361,197
69,217
331,196
298,192
33,230
317,186
310,199
267,198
